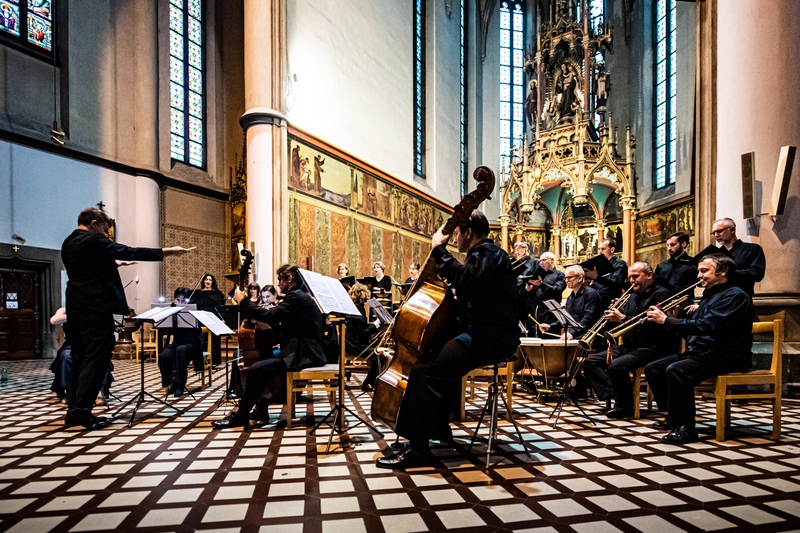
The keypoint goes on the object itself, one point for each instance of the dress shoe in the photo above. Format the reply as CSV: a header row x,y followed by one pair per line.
x,y
86,420
680,435
408,458
664,425
620,412
231,420
262,415
443,435
178,391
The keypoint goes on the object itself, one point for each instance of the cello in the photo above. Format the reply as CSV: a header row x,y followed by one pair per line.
x,y
425,319
246,336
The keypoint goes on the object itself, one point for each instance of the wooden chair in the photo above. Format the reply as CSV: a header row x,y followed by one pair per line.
x,y
638,380
487,372
207,373
150,341
771,378
325,374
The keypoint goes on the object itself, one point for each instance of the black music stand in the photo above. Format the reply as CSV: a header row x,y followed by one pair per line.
x,y
140,396
226,394
567,390
338,411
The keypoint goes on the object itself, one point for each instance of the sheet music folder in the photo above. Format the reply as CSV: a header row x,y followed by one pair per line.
x,y
329,293
383,315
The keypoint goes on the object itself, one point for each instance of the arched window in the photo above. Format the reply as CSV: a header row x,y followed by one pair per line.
x,y
186,82
419,88
27,23
512,121
665,99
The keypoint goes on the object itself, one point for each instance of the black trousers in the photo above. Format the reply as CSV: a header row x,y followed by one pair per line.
x,y
619,373
673,379
434,384
266,373
92,345
173,362
596,370
62,370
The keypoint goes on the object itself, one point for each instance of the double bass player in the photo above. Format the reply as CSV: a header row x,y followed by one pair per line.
x,y
487,332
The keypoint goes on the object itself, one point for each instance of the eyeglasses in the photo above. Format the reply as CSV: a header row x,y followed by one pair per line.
x,y
571,277
721,230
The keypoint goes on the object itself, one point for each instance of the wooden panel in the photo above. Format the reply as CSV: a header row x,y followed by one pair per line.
x,y
364,250
322,255
338,239
305,233
388,253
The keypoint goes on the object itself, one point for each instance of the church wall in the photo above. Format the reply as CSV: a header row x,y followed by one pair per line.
x,y
46,193
757,86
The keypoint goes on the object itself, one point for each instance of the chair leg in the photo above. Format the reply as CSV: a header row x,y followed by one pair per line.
x,y
509,399
776,414
637,387
463,409
289,400
722,406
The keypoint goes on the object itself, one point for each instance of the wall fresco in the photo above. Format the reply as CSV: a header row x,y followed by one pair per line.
x,y
653,230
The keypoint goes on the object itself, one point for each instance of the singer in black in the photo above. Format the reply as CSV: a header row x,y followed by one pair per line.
x,y
610,285
484,286
747,256
300,322
208,299
94,294
678,272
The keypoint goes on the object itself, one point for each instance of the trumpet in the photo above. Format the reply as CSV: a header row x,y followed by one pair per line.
x,y
587,340
670,303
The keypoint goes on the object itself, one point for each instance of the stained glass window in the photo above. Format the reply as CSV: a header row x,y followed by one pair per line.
x,y
512,121
596,16
27,22
463,99
665,94
419,88
186,91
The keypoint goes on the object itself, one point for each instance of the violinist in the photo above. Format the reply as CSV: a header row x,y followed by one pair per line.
x,y
359,334
487,333
269,297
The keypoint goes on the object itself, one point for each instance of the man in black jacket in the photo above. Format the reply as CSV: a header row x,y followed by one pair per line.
x,y
748,257
609,371
484,287
583,305
538,289
300,322
609,285
719,341
678,272
94,294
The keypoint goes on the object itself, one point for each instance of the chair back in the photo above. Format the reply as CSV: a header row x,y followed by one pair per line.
x,y
776,328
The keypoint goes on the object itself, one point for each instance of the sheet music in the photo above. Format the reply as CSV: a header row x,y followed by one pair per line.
x,y
380,311
158,313
330,294
212,322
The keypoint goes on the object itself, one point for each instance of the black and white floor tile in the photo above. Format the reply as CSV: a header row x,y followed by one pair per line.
x,y
172,472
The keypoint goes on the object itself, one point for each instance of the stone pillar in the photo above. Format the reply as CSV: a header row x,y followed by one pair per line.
x,y
630,237
627,221
556,231
265,123
504,220
518,233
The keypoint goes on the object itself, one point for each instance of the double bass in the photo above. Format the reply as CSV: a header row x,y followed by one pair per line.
x,y
426,318
246,336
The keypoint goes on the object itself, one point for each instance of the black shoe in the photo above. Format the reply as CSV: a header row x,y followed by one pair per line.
x,y
444,435
408,458
366,387
87,421
680,435
620,412
178,391
664,425
231,420
262,415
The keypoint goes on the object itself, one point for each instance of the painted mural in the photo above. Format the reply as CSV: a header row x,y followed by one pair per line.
x,y
653,230
340,212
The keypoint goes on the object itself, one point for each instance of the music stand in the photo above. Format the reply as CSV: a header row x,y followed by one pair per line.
x,y
566,320
338,411
150,316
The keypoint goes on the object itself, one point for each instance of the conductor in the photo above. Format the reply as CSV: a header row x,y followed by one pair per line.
x,y
94,294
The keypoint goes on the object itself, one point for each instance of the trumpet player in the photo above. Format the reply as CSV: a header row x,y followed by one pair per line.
x,y
608,371
719,341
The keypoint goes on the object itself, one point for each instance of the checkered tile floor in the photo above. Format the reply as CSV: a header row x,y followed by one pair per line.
x,y
174,473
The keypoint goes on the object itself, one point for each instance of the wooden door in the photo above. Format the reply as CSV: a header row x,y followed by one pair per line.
x,y
20,314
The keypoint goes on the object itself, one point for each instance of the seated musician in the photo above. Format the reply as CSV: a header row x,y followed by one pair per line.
x,y
300,322
720,341
484,286
608,371
583,304
359,334
269,296
539,289
183,346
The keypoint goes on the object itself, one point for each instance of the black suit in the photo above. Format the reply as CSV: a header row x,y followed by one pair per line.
x,y
484,287
300,322
94,294
611,285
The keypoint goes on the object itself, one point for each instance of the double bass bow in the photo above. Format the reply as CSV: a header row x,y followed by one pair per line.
x,y
425,319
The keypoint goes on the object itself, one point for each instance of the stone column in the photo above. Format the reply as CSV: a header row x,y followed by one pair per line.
x,y
504,220
264,121
628,203
556,231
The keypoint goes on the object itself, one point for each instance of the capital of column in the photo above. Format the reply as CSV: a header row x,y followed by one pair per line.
x,y
627,202
504,220
262,115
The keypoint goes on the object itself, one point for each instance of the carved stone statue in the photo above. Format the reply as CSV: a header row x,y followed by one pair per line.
x,y
602,82
566,88
530,103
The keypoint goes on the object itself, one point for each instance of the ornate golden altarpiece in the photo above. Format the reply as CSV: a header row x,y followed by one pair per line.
x,y
576,157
